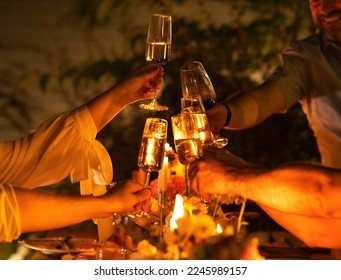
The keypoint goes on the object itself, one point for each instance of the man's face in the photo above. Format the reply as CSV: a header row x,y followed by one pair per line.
x,y
327,16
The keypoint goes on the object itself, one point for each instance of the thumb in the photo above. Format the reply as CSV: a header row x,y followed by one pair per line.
x,y
143,194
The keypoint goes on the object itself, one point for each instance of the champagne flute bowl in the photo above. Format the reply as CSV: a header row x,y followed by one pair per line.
x,y
187,142
158,48
152,151
195,81
193,105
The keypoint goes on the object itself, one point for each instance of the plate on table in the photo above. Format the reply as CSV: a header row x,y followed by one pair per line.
x,y
61,245
283,245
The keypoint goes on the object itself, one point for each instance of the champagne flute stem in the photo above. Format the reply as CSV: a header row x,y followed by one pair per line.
x,y
216,205
146,183
146,186
186,181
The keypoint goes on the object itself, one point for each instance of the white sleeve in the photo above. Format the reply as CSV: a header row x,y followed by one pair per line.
x,y
65,144
10,223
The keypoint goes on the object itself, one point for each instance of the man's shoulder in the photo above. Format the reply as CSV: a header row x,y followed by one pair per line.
x,y
312,39
308,45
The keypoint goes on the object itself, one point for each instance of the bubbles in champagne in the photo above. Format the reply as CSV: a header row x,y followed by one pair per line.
x,y
203,128
158,52
188,150
151,154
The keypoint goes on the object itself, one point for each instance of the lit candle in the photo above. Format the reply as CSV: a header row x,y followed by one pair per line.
x,y
163,176
178,212
219,229
164,172
163,182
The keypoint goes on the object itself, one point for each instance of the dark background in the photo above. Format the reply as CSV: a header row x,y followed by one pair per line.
x,y
238,45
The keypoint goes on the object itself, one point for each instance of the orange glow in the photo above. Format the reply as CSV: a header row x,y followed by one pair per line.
x,y
219,229
178,212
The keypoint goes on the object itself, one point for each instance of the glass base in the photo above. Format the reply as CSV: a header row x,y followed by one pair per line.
x,y
140,215
220,142
154,106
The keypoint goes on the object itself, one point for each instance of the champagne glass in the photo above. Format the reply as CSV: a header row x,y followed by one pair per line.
x,y
158,48
152,151
187,142
193,105
195,81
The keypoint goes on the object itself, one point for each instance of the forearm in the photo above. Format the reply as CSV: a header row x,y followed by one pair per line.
x,y
43,211
250,108
106,106
142,84
314,231
305,189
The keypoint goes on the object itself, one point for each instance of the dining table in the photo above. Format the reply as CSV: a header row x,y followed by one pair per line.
x,y
273,245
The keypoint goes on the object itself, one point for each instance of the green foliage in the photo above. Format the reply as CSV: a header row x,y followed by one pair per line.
x,y
238,53
246,45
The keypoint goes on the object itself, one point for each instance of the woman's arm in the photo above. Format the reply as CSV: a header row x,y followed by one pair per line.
x,y
44,211
142,84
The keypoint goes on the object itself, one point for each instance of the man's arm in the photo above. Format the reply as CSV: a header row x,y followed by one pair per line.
x,y
302,189
247,109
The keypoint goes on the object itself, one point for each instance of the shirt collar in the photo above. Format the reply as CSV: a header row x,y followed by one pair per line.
x,y
325,43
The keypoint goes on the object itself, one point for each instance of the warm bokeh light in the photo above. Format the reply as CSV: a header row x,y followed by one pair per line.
x,y
177,213
219,229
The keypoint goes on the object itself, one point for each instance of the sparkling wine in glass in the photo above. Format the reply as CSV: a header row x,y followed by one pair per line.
x,y
152,151
194,106
195,81
187,142
158,48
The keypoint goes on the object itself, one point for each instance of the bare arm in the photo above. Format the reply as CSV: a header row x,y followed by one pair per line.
x,y
314,231
303,189
248,108
303,198
43,211
142,84
252,107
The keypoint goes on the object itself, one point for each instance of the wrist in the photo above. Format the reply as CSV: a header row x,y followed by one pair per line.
x,y
228,114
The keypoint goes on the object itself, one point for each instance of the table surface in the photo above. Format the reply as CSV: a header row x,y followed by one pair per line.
x,y
64,232
269,252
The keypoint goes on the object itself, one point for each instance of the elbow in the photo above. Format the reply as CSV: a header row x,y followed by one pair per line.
x,y
320,238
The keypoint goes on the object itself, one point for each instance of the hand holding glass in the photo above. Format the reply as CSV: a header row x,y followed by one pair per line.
x,y
195,81
193,105
186,140
152,150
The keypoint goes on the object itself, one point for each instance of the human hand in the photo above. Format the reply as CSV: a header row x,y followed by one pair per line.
x,y
216,117
215,173
127,196
142,84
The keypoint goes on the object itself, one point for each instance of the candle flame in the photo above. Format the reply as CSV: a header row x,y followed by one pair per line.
x,y
165,161
178,212
219,229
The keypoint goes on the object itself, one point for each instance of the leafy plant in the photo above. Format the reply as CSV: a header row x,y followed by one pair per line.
x,y
238,48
